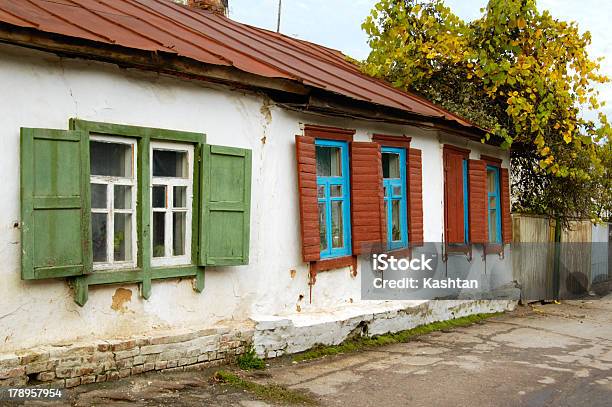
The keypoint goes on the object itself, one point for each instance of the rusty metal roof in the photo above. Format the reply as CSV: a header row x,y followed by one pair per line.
x,y
163,26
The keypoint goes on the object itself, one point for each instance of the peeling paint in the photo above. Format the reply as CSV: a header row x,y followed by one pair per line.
x,y
120,299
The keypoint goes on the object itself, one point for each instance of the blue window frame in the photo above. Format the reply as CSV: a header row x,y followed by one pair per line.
x,y
333,198
394,183
493,204
466,197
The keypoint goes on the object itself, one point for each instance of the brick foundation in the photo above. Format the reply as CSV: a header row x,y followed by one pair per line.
x,y
104,360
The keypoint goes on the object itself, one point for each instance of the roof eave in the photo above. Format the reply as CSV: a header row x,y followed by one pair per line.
x,y
324,102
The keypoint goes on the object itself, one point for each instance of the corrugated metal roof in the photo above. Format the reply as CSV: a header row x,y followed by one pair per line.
x,y
163,26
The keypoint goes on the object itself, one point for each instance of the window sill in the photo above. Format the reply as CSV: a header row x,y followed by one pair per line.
x,y
136,275
494,248
333,264
404,252
457,248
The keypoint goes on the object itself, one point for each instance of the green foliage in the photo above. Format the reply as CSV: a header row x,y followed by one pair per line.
x,y
516,71
249,360
268,392
360,343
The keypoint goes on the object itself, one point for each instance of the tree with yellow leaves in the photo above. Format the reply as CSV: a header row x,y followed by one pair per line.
x,y
517,71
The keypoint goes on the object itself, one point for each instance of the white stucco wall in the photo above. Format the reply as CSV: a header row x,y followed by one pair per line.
x,y
42,90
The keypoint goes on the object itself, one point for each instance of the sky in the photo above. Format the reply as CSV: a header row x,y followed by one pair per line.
x,y
337,23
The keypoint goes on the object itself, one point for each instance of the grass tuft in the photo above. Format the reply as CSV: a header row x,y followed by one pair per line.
x,y
355,344
250,361
273,393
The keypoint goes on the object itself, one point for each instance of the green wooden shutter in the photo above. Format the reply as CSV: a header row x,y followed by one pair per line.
x,y
55,207
226,206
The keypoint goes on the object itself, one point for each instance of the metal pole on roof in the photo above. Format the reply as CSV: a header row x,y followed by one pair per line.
x,y
280,3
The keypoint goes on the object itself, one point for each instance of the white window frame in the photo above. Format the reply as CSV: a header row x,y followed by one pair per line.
x,y
110,211
170,182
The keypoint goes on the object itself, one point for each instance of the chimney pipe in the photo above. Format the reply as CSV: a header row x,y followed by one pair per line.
x,y
217,6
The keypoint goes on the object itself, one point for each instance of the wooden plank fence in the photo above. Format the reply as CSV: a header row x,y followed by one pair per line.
x,y
546,269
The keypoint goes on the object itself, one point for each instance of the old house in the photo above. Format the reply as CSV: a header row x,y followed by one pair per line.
x,y
177,185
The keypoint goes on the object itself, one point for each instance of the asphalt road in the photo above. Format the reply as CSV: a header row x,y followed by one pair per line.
x,y
552,355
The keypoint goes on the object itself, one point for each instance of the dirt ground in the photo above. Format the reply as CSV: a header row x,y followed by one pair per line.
x,y
551,355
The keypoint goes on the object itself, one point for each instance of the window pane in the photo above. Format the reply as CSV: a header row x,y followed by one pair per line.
x,y
492,202
110,159
337,226
123,197
169,164
98,237
491,181
329,162
159,196
321,191
98,196
180,197
178,233
335,191
122,239
323,226
397,190
396,228
391,165
493,225
159,232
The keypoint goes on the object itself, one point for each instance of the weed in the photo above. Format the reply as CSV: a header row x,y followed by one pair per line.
x,y
359,343
273,393
249,360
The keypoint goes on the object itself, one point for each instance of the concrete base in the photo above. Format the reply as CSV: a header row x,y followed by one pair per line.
x,y
279,335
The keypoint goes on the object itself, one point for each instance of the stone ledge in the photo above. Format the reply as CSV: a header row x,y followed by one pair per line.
x,y
280,335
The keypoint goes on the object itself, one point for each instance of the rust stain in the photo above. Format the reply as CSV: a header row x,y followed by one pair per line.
x,y
120,299
292,273
298,308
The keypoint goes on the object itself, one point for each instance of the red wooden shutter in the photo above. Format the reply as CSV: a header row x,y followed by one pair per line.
x,y
307,185
477,171
367,197
453,196
505,202
415,197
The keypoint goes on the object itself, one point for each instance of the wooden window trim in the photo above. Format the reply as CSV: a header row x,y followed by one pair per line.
x,y
392,141
403,181
498,209
109,183
403,141
404,252
144,273
169,183
345,199
457,248
492,161
328,133
334,264
457,150
493,248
